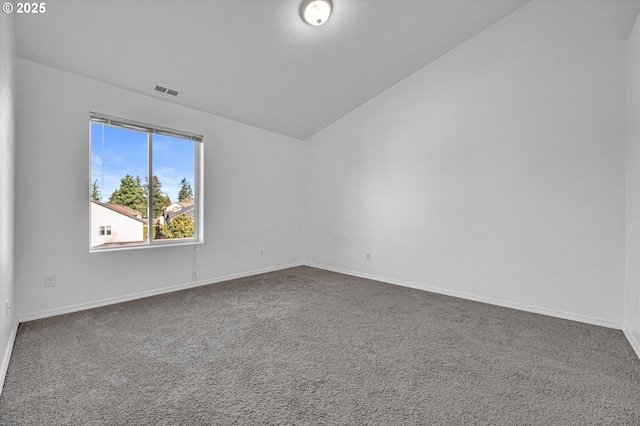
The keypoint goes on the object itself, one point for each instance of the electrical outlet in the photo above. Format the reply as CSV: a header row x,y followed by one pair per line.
x,y
261,252
368,256
194,276
50,280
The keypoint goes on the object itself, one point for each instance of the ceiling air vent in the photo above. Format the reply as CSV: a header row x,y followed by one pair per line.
x,y
167,91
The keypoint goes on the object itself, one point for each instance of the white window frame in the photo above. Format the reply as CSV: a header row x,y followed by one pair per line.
x,y
198,237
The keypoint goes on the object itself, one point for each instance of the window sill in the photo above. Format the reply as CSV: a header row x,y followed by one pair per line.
x,y
125,247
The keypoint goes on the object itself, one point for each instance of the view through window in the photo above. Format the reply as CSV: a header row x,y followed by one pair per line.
x,y
144,184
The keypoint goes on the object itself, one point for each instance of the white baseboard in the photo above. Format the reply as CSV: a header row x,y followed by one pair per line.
x,y
633,341
499,302
523,307
7,355
140,295
248,274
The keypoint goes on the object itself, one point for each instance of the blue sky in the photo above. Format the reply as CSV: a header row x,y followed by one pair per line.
x,y
116,152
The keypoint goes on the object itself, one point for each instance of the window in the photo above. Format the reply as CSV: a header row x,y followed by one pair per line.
x,y
145,182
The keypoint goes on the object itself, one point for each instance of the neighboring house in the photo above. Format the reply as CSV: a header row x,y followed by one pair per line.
x,y
180,208
179,205
115,223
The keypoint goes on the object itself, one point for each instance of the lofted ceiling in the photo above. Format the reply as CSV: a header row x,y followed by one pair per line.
x,y
254,61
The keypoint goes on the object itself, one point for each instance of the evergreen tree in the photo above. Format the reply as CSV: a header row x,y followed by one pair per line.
x,y
160,199
95,191
130,194
185,190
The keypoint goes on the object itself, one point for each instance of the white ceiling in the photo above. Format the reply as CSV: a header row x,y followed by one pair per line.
x,y
254,61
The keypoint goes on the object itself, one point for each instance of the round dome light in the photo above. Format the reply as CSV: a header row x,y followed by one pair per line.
x,y
316,12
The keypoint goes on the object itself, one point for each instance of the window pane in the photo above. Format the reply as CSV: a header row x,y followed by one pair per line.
x,y
174,199
119,164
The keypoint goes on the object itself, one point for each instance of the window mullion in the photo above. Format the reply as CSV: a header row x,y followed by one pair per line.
x,y
196,186
150,191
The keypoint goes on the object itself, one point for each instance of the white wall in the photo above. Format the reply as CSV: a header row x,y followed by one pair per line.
x,y
252,197
7,182
632,316
495,173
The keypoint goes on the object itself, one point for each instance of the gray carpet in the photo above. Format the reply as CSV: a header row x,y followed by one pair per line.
x,y
306,346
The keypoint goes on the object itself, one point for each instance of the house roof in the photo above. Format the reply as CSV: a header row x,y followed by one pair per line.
x,y
178,205
187,210
124,210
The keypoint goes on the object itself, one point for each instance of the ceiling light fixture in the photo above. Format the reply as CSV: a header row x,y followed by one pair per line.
x,y
316,12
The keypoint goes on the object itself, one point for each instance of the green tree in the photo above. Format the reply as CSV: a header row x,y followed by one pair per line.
x,y
130,194
185,190
95,191
160,199
179,227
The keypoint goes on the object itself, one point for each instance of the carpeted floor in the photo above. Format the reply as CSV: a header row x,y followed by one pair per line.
x,y
306,346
